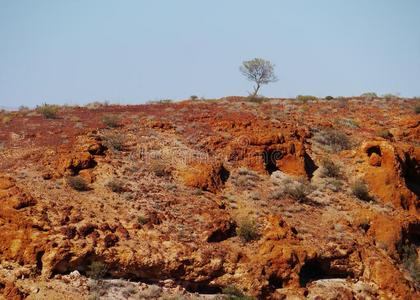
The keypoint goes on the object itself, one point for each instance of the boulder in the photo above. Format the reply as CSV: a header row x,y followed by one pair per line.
x,y
205,176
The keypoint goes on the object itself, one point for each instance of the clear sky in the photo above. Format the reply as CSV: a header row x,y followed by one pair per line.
x,y
131,51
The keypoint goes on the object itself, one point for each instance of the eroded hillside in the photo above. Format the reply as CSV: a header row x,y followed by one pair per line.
x,y
270,199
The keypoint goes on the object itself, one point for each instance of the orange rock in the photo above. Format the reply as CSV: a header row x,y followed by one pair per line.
x,y
209,177
73,163
375,160
6,183
11,292
271,149
387,181
87,175
22,201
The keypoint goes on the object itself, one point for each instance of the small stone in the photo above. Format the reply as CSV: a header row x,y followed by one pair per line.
x,y
375,160
75,274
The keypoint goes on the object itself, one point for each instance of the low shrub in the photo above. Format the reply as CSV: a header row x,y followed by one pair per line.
x,y
289,187
77,183
111,121
161,101
390,96
48,111
96,270
114,142
117,186
247,230
298,192
245,178
256,99
142,220
334,184
417,109
348,122
329,168
409,258
233,293
343,102
170,186
369,95
329,98
334,139
306,98
6,119
361,191
193,97
385,133
159,168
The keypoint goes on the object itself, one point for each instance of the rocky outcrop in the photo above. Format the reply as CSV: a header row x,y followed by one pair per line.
x,y
205,176
181,223
391,172
80,159
263,146
22,235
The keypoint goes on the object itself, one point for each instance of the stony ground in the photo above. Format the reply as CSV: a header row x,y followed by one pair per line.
x,y
217,199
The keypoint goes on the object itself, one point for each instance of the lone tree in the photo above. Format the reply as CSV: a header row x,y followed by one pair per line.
x,y
260,71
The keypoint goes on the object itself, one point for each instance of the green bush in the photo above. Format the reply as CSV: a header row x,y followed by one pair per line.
x,y
329,98
297,192
361,191
48,111
77,183
233,293
161,101
247,230
390,96
306,98
334,139
117,186
384,133
111,121
114,142
329,168
245,179
409,258
256,99
348,123
142,220
343,102
369,95
159,168
96,270
417,109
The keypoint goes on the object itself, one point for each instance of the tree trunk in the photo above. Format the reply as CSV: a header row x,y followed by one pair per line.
x,y
256,89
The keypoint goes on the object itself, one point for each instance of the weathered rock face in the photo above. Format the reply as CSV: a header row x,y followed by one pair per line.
x,y
390,171
81,159
262,146
22,235
73,163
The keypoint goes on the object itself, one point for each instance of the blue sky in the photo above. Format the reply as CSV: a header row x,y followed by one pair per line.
x,y
78,51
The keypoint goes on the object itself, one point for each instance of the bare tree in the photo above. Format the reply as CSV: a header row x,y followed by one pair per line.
x,y
260,71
